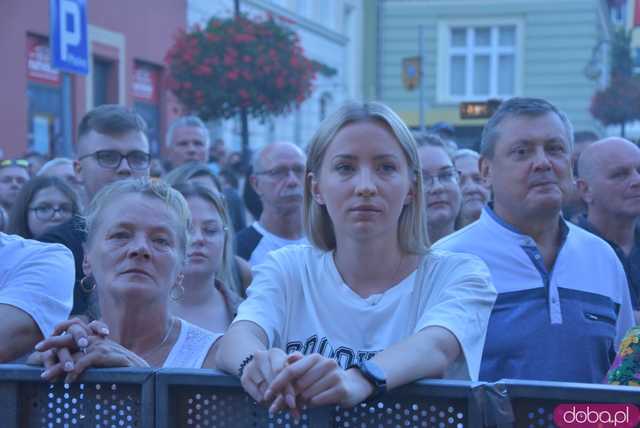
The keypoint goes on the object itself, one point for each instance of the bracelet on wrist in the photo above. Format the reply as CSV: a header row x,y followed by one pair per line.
x,y
243,364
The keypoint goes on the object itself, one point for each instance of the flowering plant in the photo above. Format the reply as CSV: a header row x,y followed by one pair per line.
x,y
625,369
618,103
240,63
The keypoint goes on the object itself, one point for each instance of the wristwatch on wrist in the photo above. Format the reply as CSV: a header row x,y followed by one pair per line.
x,y
374,374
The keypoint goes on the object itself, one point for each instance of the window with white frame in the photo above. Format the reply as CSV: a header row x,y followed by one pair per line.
x,y
482,61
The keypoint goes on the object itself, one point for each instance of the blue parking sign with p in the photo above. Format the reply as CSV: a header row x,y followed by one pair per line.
x,y
69,45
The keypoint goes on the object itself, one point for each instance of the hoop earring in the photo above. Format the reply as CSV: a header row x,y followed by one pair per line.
x,y
177,292
87,288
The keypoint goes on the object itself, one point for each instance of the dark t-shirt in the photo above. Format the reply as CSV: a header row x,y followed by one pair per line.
x,y
246,242
630,263
72,235
236,209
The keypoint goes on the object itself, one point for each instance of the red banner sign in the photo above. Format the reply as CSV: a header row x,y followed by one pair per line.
x,y
146,81
39,61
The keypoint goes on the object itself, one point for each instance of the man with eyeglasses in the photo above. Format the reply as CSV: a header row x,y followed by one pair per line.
x,y
112,146
440,183
563,303
13,175
278,179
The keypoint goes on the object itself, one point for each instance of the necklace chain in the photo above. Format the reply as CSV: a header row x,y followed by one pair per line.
x,y
395,274
164,339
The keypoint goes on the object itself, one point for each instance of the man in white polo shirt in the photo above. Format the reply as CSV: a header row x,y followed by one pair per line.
x,y
278,179
36,292
563,303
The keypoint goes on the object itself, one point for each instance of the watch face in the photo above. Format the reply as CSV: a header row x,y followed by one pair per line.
x,y
375,371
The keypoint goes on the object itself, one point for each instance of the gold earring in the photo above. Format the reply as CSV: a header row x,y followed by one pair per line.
x,y
177,292
87,288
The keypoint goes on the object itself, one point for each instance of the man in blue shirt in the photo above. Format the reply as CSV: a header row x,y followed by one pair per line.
x,y
563,303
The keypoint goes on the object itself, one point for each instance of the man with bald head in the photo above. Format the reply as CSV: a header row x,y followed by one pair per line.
x,y
609,184
278,179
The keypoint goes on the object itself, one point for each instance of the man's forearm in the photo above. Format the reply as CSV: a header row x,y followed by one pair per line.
x,y
19,333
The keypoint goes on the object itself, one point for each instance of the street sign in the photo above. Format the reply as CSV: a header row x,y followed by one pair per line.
x,y
411,72
479,110
69,45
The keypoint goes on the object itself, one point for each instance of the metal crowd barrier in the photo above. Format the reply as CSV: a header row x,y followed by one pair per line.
x,y
141,398
531,404
113,398
187,398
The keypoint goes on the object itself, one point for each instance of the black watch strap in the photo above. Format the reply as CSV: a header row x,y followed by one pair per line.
x,y
374,374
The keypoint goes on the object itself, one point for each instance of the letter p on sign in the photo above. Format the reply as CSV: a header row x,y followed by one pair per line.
x,y
69,46
69,28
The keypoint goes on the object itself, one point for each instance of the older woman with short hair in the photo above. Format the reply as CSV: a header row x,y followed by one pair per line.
x,y
137,239
359,310
196,173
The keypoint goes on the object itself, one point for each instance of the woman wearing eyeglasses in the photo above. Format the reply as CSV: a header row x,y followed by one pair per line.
x,y
440,183
208,297
42,203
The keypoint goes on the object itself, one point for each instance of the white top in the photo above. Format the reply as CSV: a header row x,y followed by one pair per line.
x,y
561,325
301,302
37,278
191,348
270,242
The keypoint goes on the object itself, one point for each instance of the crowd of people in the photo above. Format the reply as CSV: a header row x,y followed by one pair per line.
x,y
327,273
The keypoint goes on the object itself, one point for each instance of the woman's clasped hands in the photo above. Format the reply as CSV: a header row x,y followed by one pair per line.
x,y
292,382
76,345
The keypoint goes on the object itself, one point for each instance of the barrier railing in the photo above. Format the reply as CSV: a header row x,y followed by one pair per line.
x,y
532,403
118,398
204,398
187,398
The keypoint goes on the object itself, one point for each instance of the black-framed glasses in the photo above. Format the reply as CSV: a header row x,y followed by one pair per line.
x,y
111,159
46,212
445,177
22,163
282,172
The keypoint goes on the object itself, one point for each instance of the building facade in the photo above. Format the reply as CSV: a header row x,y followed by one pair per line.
x,y
127,44
477,51
330,32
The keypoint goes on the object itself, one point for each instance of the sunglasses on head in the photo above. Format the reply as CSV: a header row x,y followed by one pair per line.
x,y
14,162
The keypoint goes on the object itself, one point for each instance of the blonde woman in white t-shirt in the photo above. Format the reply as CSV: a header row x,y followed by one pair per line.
x,y
356,313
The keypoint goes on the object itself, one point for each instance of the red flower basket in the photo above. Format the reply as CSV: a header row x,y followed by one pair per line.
x,y
239,63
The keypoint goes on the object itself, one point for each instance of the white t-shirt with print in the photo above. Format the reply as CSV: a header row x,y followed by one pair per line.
x,y
37,278
300,300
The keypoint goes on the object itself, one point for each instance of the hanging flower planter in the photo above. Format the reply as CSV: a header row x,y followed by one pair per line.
x,y
233,64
